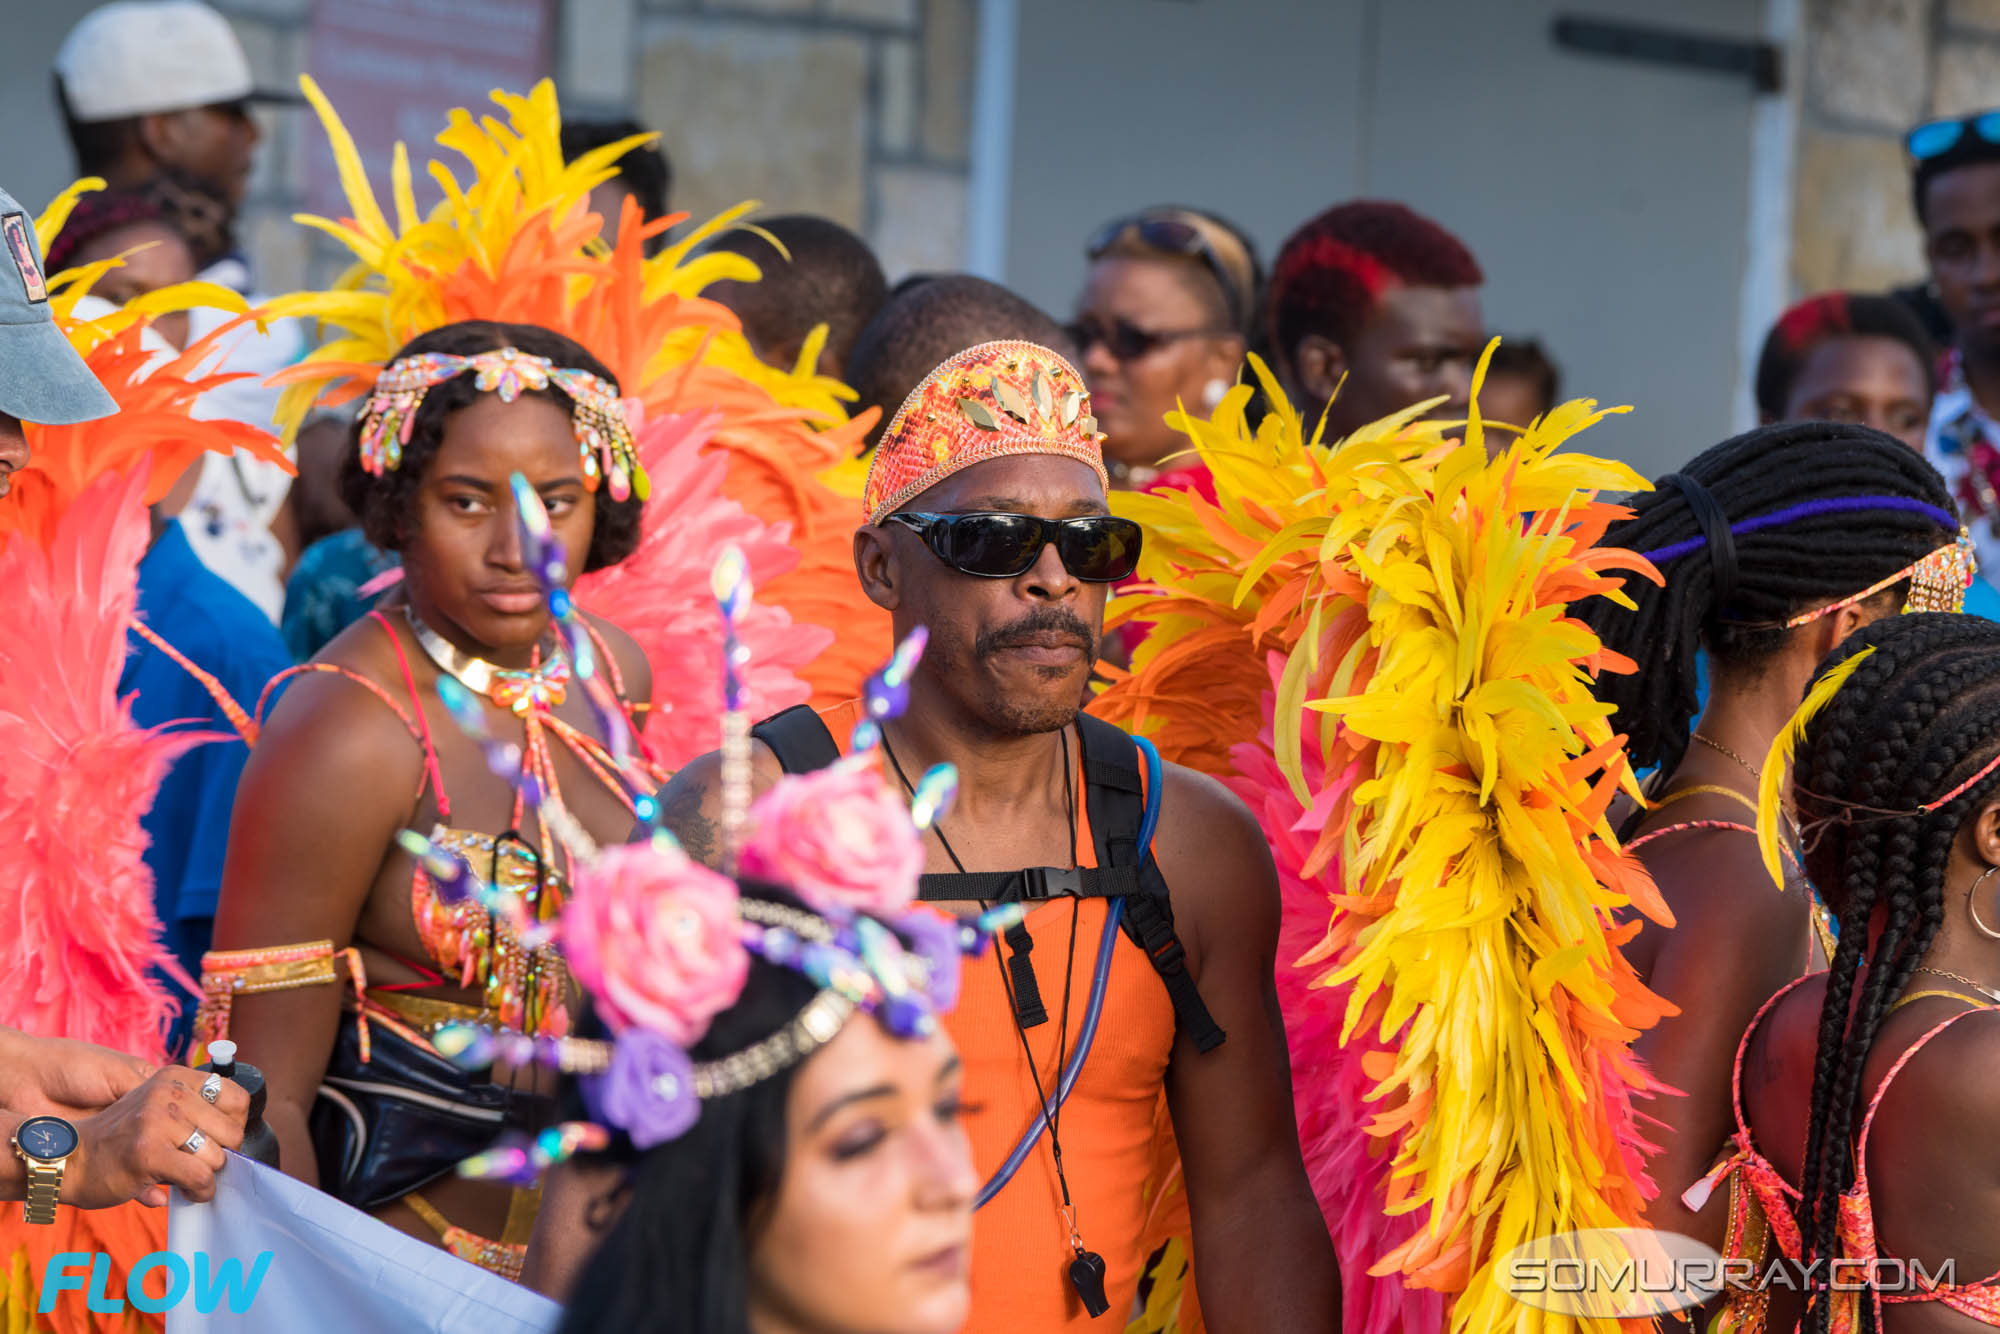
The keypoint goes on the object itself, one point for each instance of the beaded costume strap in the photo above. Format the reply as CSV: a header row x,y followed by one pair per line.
x,y
227,974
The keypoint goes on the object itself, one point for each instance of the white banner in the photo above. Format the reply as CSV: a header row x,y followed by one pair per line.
x,y
331,1269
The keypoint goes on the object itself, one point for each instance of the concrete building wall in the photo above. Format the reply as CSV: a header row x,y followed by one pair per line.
x,y
1607,200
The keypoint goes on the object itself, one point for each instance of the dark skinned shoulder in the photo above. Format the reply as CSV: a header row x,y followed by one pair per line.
x,y
691,802
632,664
1216,862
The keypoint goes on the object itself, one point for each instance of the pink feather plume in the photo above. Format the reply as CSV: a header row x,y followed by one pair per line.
x,y
1349,1171
78,934
661,595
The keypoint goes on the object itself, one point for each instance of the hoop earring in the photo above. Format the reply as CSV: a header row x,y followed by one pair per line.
x,y
1973,912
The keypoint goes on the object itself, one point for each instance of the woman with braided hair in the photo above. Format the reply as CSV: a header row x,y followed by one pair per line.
x,y
1871,1098
1772,548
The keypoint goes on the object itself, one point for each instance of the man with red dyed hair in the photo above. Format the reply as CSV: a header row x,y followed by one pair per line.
x,y
1381,295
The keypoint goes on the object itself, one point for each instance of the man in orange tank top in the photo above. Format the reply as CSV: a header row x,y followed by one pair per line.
x,y
988,525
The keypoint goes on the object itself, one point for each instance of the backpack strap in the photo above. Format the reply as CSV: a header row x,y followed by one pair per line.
x,y
800,739
1116,800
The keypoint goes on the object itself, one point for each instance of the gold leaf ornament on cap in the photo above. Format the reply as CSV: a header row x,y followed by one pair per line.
x,y
978,414
990,401
1010,400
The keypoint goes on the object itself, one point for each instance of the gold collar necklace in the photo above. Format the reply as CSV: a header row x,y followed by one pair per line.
x,y
541,686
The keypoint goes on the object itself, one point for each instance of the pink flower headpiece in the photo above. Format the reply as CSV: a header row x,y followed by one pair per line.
x,y
600,419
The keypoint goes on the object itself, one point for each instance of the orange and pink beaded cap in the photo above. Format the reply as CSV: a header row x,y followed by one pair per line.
x,y
987,402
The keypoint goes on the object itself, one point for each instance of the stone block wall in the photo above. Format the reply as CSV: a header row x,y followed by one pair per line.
x,y
854,109
1874,69
859,110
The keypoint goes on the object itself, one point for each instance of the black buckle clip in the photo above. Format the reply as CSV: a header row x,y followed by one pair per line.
x,y
1047,882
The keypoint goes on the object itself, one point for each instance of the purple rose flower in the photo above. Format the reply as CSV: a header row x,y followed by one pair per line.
x,y
933,937
649,1090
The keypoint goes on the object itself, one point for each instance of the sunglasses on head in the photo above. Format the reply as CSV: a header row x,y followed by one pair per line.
x,y
1938,137
1126,341
1173,236
1098,549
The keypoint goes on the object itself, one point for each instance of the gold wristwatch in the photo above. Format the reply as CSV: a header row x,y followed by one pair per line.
x,y
44,1144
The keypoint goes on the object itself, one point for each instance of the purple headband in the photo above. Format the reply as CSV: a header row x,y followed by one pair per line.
x,y
1806,510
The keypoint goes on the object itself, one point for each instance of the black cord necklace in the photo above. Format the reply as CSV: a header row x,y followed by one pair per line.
x,y
1086,1272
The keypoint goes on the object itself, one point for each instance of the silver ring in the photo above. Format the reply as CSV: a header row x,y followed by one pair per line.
x,y
211,1088
195,1141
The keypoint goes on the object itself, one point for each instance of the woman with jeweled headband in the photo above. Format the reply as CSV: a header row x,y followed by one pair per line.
x,y
1771,549
336,957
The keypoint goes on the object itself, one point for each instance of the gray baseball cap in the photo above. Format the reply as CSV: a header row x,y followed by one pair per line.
x,y
42,379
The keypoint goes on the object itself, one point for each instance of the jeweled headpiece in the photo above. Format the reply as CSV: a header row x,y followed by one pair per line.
x,y
986,402
1937,583
1938,580
603,432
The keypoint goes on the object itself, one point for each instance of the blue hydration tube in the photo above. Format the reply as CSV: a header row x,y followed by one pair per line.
x,y
1094,1010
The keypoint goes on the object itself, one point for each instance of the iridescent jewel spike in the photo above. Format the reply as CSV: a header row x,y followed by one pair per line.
x,y
887,693
502,757
932,797
731,584
450,874
542,552
456,881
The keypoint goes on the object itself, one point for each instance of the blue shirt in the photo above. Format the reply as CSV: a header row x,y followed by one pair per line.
x,y
224,633
1982,599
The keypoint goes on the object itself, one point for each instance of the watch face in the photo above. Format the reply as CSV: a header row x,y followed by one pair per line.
x,y
46,1137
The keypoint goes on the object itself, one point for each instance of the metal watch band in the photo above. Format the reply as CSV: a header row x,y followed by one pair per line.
x,y
44,1185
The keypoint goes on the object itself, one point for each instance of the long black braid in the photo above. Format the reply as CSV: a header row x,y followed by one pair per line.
x,y
1919,716
1780,570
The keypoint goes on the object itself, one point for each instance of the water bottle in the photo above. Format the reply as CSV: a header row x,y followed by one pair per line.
x,y
258,1140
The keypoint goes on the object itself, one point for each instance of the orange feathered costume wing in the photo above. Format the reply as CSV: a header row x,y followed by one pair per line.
x,y
1388,616
78,932
518,243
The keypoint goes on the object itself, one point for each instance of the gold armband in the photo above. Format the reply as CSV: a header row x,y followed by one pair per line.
x,y
227,974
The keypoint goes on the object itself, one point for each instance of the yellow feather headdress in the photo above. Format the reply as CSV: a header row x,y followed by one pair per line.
x,y
1399,602
516,241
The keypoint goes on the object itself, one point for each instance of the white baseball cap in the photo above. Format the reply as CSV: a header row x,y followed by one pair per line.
x,y
139,57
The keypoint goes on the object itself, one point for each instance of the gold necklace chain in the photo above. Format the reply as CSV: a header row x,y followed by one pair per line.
x,y
1715,745
1979,987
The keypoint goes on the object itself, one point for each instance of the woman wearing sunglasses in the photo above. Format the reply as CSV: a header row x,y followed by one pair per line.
x,y
1161,322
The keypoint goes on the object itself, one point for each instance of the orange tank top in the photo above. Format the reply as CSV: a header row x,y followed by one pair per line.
x,y
1116,1134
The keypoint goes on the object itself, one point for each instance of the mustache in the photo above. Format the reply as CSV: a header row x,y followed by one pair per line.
x,y
1044,621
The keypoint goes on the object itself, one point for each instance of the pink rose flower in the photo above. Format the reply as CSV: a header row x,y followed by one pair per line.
x,y
654,938
838,838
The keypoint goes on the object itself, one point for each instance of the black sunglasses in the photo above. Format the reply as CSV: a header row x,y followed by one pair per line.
x,y
1937,137
1098,549
1174,236
1125,340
